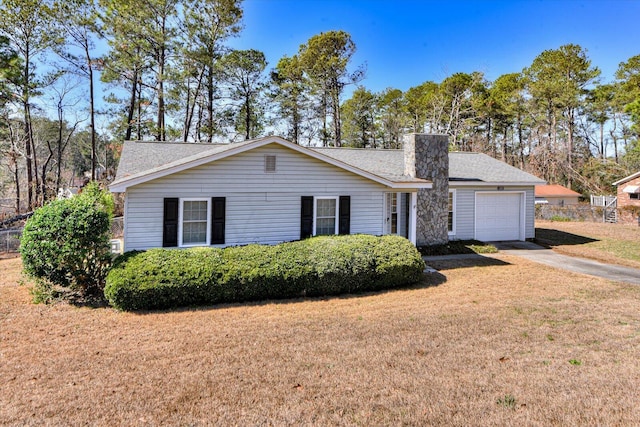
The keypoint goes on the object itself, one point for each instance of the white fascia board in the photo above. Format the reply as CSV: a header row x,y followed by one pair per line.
x,y
412,185
120,187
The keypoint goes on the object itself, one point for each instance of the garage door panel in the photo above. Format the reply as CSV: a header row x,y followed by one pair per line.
x,y
498,216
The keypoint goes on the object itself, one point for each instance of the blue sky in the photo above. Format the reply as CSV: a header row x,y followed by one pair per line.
x,y
407,42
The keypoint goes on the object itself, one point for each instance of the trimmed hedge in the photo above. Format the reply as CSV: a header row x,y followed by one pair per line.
x,y
328,265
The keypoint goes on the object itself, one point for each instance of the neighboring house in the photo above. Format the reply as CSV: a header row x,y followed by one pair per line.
x,y
556,195
628,190
270,190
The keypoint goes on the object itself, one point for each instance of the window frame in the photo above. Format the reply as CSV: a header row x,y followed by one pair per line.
x,y
393,214
207,241
392,202
336,199
452,211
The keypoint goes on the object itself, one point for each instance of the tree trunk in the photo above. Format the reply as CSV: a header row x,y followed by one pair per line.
x,y
92,114
139,113
13,156
247,118
43,180
191,106
296,123
210,93
504,144
59,154
602,149
27,129
337,131
199,123
132,105
612,132
325,136
570,128
16,178
161,130
34,157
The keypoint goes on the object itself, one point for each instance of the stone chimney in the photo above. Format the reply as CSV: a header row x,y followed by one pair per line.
x,y
427,157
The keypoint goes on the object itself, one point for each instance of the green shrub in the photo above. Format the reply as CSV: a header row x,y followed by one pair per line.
x,y
66,242
328,265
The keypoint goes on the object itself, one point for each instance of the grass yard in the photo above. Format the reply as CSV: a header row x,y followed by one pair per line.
x,y
506,343
609,243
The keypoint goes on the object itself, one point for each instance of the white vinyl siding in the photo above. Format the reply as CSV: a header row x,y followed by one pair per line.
x,y
464,215
260,207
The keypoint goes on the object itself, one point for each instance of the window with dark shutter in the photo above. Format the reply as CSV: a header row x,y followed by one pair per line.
x,y
306,217
344,226
170,223
218,208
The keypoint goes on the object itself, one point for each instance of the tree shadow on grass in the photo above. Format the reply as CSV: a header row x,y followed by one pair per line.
x,y
466,262
550,238
78,299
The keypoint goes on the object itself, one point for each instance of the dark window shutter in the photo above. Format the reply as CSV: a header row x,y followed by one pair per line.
x,y
306,217
344,225
170,223
217,220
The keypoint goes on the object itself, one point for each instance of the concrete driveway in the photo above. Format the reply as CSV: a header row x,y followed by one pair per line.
x,y
537,253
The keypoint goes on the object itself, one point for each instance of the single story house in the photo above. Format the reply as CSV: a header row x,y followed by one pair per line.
x,y
270,190
556,195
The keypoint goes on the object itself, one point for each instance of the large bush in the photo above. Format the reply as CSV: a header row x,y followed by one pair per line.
x,y
164,278
66,242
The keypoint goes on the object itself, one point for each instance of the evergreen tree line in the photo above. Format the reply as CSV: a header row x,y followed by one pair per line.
x,y
168,74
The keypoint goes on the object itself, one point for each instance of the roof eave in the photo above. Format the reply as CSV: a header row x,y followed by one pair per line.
x,y
494,184
116,187
627,178
412,185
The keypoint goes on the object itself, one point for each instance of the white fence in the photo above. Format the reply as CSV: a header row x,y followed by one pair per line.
x,y
602,200
10,240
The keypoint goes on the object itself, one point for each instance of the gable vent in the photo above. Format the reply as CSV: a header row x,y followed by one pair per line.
x,y
269,163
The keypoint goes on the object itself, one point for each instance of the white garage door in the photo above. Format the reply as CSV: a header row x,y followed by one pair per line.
x,y
499,216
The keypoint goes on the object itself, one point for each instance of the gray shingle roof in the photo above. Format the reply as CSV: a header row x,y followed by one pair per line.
x,y
463,166
386,163
142,158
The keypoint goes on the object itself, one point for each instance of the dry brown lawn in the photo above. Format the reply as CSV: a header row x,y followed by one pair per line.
x,y
554,348
609,243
